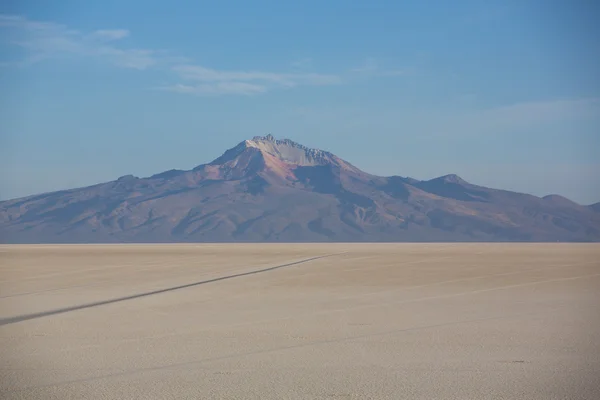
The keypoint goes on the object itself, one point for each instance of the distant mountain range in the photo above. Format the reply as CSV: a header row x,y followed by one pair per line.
x,y
268,190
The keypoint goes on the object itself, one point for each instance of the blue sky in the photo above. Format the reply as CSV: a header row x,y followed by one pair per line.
x,y
504,93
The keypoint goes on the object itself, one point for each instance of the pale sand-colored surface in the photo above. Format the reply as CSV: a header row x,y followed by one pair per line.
x,y
383,321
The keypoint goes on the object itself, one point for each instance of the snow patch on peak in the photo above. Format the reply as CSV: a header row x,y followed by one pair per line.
x,y
285,150
268,138
292,152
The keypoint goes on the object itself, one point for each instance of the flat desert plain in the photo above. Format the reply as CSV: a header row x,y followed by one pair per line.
x,y
296,321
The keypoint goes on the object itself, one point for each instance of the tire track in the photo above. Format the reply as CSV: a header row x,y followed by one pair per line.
x,y
327,311
387,303
26,317
147,267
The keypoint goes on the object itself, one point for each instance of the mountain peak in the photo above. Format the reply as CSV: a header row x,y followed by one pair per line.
x,y
268,138
126,178
559,200
267,189
284,150
451,178
270,141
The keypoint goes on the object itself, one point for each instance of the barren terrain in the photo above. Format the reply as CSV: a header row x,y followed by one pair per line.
x,y
280,321
278,191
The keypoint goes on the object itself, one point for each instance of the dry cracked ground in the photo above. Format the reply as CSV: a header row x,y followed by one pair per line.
x,y
344,321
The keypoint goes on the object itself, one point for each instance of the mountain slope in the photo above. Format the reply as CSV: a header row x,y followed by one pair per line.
x,y
278,190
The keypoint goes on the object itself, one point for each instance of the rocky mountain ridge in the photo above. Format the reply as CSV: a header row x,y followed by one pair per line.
x,y
272,190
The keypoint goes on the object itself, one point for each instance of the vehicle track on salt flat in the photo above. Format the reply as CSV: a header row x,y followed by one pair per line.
x,y
26,317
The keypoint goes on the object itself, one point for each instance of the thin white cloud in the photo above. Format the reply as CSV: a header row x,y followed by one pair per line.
x,y
111,34
203,74
218,88
15,21
131,58
202,80
45,40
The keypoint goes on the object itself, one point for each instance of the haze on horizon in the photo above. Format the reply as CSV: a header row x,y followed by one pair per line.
x,y
504,94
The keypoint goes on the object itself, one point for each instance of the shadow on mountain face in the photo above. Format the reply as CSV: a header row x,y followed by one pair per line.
x,y
396,188
68,211
244,226
172,173
326,179
194,216
322,179
316,226
255,185
473,226
453,190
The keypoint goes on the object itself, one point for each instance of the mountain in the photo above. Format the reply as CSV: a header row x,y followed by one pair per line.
x,y
278,190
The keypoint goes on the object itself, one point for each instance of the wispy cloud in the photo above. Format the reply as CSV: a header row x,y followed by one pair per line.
x,y
48,40
45,40
111,34
217,88
202,80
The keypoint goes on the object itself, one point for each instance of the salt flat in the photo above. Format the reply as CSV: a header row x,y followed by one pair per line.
x,y
287,321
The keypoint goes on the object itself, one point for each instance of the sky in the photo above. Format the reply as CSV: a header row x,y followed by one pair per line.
x,y
505,94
